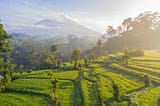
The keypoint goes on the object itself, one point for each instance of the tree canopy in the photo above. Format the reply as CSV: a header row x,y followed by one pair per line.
x,y
4,45
76,56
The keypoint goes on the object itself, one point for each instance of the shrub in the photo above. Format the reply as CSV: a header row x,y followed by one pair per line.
x,y
29,71
147,81
1,84
8,78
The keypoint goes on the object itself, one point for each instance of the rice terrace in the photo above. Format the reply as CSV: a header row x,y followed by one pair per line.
x,y
97,53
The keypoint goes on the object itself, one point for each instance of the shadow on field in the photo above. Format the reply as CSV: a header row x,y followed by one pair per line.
x,y
147,60
45,96
26,75
65,84
129,75
158,101
136,90
109,101
144,70
35,77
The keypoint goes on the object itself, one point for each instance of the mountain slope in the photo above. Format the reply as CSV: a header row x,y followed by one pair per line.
x,y
140,32
51,27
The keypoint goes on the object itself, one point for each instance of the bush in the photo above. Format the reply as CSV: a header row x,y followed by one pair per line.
x,y
147,81
29,71
1,84
8,78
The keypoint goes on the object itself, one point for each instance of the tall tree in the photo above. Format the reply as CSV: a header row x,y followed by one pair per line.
x,y
4,45
111,31
73,42
49,60
99,45
76,57
53,48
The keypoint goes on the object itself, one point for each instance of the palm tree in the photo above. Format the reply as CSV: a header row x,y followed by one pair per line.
x,y
111,31
99,45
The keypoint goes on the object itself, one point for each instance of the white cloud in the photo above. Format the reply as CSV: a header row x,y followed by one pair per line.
x,y
97,15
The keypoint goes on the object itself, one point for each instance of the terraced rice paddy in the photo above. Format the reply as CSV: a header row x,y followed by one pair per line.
x,y
91,86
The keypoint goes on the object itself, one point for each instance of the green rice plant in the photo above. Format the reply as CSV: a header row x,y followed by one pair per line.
x,y
89,93
149,97
65,93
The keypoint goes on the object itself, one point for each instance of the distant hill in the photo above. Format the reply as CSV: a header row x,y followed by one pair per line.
x,y
139,32
51,27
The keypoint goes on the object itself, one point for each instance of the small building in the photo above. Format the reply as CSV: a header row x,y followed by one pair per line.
x,y
1,77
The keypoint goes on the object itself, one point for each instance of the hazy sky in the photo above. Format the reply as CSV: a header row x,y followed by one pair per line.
x,y
96,14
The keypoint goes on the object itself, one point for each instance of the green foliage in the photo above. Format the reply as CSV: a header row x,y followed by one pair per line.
x,y
2,83
53,48
76,57
49,60
4,45
6,67
29,71
8,78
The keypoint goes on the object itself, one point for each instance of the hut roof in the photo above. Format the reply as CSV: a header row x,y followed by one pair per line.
x,y
1,77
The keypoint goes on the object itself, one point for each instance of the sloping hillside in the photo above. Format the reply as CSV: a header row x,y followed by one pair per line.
x,y
139,32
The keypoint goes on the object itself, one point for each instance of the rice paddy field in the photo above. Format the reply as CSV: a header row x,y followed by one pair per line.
x,y
91,86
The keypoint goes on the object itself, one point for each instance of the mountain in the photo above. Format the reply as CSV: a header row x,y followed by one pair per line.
x,y
50,27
